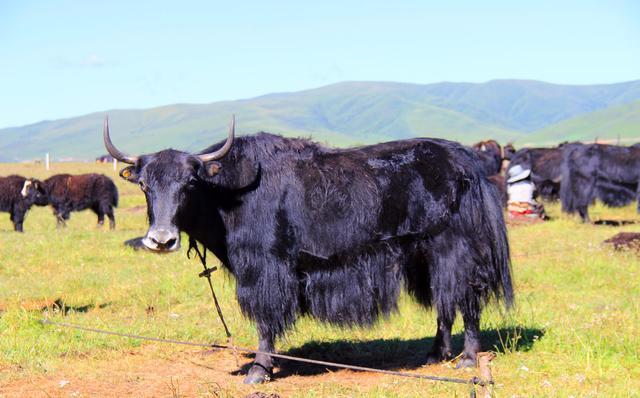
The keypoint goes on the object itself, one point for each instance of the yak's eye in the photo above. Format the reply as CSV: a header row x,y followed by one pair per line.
x,y
192,181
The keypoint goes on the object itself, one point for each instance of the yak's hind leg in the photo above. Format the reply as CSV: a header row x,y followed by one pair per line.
x,y
112,219
99,212
470,309
439,266
450,261
102,209
420,284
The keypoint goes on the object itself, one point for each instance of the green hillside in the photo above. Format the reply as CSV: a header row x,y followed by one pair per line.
x,y
340,114
620,122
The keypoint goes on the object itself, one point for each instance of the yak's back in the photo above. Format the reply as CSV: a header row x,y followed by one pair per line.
x,y
380,192
78,188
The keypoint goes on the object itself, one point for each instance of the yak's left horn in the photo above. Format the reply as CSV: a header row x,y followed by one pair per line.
x,y
112,149
206,157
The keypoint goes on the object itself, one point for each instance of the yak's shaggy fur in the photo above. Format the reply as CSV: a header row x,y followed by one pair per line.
x,y
336,233
607,172
67,193
16,197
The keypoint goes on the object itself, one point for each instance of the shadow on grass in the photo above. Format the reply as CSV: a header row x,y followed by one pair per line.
x,y
60,305
396,353
614,223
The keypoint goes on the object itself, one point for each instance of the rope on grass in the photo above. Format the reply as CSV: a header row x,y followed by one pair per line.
x,y
474,381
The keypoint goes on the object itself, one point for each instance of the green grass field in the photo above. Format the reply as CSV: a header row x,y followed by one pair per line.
x,y
575,329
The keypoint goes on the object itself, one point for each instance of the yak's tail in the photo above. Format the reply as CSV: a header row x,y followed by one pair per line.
x,y
481,213
114,193
496,231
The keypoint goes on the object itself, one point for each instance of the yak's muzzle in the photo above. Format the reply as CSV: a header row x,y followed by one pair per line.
x,y
162,240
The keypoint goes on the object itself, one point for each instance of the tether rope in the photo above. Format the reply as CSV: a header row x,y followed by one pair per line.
x,y
472,381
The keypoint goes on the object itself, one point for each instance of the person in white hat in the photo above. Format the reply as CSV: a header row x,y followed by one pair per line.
x,y
522,191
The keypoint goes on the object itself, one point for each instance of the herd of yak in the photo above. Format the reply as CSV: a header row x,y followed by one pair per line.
x,y
575,173
336,234
64,192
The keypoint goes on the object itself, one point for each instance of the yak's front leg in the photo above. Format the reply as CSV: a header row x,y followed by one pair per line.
x,y
262,368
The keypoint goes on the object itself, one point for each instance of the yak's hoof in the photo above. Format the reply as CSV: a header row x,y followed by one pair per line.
x,y
466,363
257,375
435,358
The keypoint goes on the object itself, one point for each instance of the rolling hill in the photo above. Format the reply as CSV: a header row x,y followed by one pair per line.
x,y
346,113
619,123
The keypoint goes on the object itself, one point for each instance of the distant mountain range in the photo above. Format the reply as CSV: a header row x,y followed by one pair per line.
x,y
352,113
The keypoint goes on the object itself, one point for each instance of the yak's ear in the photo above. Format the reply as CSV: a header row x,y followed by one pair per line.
x,y
129,174
212,168
38,186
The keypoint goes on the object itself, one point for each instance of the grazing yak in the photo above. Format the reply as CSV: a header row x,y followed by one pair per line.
x,y
610,173
67,193
18,194
334,233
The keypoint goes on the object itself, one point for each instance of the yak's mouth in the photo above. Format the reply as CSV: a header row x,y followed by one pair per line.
x,y
161,241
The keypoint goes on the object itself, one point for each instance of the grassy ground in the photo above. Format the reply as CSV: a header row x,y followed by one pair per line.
x,y
575,330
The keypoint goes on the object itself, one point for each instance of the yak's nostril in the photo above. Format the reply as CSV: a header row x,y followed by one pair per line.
x,y
163,240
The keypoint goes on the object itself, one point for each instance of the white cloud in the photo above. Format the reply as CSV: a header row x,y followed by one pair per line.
x,y
93,61
90,61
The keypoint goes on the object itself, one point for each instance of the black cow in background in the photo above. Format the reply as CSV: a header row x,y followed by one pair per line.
x,y
18,194
508,151
596,171
490,153
67,193
546,168
492,157
334,233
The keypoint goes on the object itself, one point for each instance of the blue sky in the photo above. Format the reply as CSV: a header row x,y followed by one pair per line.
x,y
66,58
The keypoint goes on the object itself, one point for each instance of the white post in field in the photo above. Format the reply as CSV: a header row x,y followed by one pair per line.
x,y
115,164
46,161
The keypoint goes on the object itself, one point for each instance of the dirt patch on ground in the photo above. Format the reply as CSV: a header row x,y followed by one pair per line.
x,y
625,241
135,209
152,372
522,221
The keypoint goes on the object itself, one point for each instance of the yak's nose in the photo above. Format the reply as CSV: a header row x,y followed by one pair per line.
x,y
162,240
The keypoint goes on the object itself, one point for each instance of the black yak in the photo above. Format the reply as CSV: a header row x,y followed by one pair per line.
x,y
17,195
490,154
596,171
545,165
67,193
334,233
508,151
104,159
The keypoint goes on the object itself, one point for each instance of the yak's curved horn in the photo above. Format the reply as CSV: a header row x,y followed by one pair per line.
x,y
112,149
206,157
